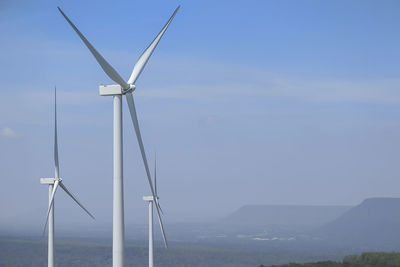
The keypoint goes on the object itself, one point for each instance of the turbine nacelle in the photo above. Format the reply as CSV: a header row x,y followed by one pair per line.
x,y
115,89
49,180
149,198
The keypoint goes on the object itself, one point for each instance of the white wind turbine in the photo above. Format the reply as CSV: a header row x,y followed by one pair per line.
x,y
53,185
150,199
124,88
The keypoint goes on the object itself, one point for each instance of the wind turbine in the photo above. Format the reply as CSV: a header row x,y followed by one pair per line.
x,y
53,185
150,199
117,91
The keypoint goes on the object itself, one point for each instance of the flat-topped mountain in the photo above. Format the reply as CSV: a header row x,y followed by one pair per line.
x,y
286,215
374,220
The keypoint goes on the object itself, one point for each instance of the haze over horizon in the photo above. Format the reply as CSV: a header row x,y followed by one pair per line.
x,y
245,104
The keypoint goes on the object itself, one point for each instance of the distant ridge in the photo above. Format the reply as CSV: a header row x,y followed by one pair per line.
x,y
374,220
286,215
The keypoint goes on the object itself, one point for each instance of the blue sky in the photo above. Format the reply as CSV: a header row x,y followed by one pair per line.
x,y
263,102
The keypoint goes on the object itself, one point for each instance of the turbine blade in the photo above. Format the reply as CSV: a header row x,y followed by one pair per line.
x,y
56,166
155,181
132,110
55,186
76,200
141,63
159,205
161,224
108,69
155,174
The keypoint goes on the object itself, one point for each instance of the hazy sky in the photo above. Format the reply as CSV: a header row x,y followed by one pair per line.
x,y
246,102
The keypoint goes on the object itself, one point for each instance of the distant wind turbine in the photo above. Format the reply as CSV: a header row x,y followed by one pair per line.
x,y
53,185
150,199
124,88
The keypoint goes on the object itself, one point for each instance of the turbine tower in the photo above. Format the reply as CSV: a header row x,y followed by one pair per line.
x,y
150,199
117,91
53,185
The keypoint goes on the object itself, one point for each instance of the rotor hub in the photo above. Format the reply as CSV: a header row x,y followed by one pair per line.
x,y
131,88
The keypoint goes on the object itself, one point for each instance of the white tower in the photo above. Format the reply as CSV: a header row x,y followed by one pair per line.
x,y
150,200
50,244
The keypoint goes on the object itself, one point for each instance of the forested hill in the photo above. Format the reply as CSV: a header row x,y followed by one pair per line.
x,y
285,214
376,259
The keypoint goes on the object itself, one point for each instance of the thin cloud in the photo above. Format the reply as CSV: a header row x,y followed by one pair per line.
x,y
228,80
8,132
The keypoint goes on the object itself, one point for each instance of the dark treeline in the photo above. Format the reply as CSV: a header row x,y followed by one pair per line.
x,y
371,259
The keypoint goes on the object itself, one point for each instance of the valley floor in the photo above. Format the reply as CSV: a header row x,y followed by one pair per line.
x,y
26,252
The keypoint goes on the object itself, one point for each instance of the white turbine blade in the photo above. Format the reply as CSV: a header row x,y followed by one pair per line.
x,y
55,186
155,174
141,63
76,200
56,166
155,181
161,224
108,69
132,110
159,205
